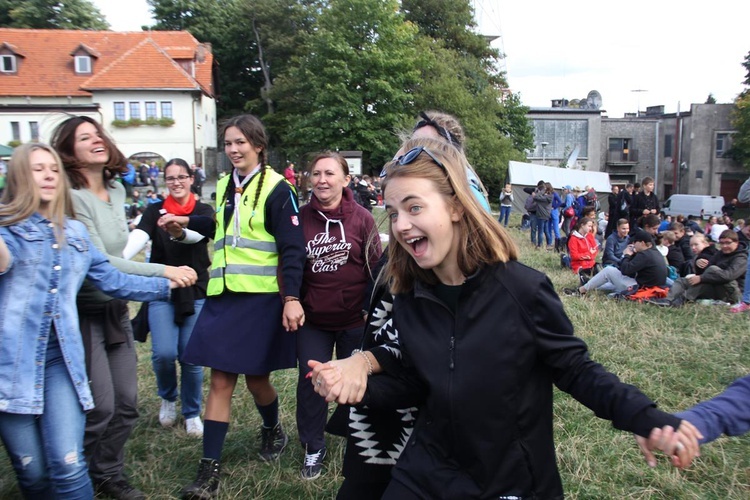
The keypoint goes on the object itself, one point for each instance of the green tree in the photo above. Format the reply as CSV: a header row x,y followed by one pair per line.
x,y
740,150
353,85
50,14
459,76
710,99
223,24
279,28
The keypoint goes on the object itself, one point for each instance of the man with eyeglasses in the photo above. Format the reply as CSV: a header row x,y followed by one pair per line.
x,y
722,280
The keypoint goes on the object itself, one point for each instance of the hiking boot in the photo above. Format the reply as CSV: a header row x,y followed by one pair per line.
x,y
739,307
206,484
194,427
119,489
313,464
167,413
273,441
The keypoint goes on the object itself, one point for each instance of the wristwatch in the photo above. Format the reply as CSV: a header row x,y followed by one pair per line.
x,y
180,237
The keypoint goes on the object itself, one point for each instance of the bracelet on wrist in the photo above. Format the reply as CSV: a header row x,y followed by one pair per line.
x,y
291,299
370,368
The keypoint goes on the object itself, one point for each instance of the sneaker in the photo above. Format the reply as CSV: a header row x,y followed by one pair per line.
x,y
118,489
206,484
168,413
313,464
194,427
740,307
571,291
273,442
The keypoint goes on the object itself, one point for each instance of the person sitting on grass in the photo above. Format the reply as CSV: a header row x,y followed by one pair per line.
x,y
616,243
728,414
642,266
675,258
649,223
683,241
583,248
722,279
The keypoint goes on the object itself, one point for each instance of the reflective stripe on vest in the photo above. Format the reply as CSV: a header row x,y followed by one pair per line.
x,y
263,246
251,265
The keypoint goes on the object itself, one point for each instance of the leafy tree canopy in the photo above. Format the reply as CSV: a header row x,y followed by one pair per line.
x,y
352,87
51,14
740,150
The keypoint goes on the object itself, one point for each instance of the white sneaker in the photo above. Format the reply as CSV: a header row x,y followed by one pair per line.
x,y
194,427
168,413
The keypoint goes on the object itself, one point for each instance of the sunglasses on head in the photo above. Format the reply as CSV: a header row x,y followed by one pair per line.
x,y
426,121
409,157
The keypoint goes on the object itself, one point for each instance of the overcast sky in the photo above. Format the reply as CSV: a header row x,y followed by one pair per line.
x,y
674,52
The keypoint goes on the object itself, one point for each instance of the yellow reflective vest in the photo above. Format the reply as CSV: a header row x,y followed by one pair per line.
x,y
248,263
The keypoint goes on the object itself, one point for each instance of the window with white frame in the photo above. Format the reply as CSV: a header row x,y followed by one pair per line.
x,y
83,64
723,143
34,130
166,109
8,63
135,110
119,110
150,109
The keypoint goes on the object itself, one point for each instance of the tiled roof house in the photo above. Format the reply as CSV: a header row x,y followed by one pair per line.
x,y
165,79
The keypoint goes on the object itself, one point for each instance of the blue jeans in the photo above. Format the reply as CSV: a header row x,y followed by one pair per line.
x,y
541,230
533,220
168,341
554,223
746,291
504,215
47,450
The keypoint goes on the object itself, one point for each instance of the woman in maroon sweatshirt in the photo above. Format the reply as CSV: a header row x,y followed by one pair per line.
x,y
342,245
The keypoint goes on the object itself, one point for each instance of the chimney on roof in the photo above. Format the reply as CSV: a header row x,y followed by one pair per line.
x,y
201,50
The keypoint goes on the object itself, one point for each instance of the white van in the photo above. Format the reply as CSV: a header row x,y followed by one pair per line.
x,y
693,204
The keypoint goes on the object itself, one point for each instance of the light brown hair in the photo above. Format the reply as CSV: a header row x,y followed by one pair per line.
x,y
482,241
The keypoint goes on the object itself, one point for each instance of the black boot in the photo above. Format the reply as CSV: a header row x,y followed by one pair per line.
x,y
206,484
557,245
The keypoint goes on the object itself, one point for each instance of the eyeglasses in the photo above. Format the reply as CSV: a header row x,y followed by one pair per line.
x,y
179,178
409,157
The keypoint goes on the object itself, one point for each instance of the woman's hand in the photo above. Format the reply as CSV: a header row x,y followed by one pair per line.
x,y
340,380
682,445
294,316
702,263
173,224
182,276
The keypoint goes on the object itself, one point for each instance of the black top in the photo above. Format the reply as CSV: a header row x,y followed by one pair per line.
x,y
647,267
173,253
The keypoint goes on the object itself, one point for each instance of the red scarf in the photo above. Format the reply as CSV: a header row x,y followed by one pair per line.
x,y
173,207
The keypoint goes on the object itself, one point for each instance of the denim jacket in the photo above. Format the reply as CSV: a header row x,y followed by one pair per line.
x,y
38,289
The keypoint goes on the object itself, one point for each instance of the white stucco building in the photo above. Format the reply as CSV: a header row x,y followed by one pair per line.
x,y
153,91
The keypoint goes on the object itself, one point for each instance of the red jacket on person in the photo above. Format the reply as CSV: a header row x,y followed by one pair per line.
x,y
583,251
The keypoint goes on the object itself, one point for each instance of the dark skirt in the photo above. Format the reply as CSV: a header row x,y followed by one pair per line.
x,y
242,333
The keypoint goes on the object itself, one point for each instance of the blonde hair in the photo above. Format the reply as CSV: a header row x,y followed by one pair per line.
x,y
21,196
482,241
669,236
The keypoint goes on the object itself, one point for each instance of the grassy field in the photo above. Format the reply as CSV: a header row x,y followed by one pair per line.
x,y
678,357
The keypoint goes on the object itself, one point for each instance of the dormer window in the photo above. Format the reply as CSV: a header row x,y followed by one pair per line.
x,y
8,63
83,64
82,59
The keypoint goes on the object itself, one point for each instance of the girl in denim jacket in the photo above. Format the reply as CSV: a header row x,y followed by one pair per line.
x,y
44,391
